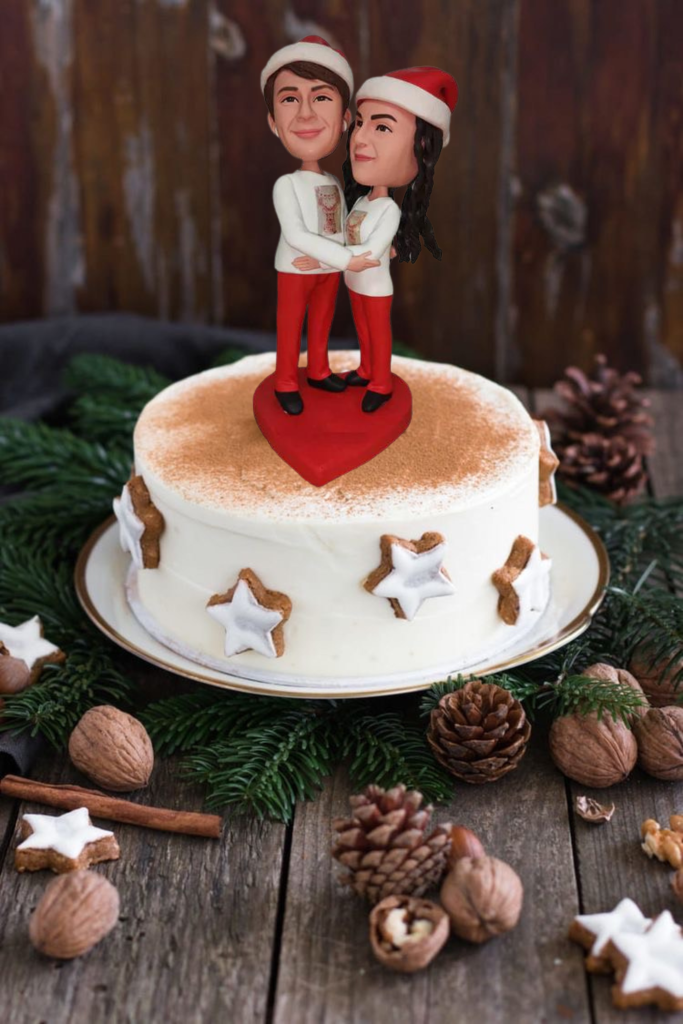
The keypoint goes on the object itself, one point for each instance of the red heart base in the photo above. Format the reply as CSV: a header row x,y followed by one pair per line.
x,y
332,435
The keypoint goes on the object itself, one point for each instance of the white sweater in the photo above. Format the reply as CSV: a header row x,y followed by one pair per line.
x,y
372,226
312,212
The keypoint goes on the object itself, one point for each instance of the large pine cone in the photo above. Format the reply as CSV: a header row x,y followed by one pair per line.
x,y
385,847
604,433
479,733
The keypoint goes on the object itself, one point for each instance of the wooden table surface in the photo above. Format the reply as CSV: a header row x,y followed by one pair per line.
x,y
255,927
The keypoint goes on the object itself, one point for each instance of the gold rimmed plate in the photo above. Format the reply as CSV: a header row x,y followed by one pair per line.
x,y
580,576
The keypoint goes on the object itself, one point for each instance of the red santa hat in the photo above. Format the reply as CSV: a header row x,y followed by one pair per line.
x,y
428,93
315,50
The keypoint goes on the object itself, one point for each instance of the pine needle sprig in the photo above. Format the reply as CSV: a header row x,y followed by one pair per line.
x,y
389,748
54,705
650,620
53,522
36,456
576,694
35,584
268,769
194,719
228,356
111,423
112,379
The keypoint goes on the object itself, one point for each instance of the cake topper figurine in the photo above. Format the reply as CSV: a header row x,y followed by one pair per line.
x,y
307,87
402,123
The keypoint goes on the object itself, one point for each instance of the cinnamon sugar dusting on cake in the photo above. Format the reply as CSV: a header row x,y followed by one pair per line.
x,y
467,438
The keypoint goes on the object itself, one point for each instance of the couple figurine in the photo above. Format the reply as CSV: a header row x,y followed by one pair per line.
x,y
402,123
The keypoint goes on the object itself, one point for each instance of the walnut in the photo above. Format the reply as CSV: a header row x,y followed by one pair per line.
x,y
666,844
483,898
113,749
406,933
15,675
77,911
657,676
464,843
596,752
610,674
677,885
660,743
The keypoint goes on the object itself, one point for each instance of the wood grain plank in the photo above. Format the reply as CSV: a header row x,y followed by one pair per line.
x,y
195,938
143,141
456,310
27,129
600,90
328,974
665,466
610,862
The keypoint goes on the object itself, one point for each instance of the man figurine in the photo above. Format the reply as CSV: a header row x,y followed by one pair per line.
x,y
307,87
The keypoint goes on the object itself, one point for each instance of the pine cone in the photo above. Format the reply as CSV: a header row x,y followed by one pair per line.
x,y
604,434
479,733
385,847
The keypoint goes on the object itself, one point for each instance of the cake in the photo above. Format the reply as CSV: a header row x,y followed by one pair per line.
x,y
417,564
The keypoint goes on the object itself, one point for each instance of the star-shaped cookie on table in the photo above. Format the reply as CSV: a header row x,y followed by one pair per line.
x,y
523,583
253,617
547,464
64,842
410,572
649,966
24,652
141,524
594,932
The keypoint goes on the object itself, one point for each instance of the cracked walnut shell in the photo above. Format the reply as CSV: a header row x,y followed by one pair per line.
x,y
406,933
77,911
113,749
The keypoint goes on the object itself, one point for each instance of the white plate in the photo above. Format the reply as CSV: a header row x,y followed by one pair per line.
x,y
580,575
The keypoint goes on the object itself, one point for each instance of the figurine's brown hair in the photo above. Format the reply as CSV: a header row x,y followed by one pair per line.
x,y
307,69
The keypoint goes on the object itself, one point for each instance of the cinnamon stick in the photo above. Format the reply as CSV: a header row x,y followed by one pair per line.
x,y
111,808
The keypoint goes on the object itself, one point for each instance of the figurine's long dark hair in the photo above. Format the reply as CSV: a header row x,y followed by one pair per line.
x,y
414,220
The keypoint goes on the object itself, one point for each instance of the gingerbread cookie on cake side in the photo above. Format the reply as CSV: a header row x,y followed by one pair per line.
x,y
391,572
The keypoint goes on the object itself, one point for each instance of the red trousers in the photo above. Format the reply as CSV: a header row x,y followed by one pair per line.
x,y
295,293
372,317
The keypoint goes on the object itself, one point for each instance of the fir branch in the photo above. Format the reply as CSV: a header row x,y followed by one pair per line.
x,y
36,456
110,422
651,620
228,356
31,584
389,748
270,767
581,695
111,379
195,719
65,692
55,522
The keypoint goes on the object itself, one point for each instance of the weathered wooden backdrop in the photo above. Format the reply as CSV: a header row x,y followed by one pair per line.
x,y
136,168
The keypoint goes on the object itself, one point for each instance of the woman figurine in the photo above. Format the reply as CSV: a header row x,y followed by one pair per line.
x,y
402,123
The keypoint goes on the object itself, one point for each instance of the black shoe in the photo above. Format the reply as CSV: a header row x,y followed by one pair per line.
x,y
354,380
291,402
333,382
372,401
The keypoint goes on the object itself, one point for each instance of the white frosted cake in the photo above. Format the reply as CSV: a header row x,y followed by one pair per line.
x,y
416,564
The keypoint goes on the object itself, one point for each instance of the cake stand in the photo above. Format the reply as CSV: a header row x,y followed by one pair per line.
x,y
580,576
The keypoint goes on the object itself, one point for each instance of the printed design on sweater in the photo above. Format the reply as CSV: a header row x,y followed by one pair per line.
x,y
328,199
353,223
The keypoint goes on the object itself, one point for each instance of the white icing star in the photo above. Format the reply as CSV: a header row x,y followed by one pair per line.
x,y
655,958
67,834
532,587
625,918
25,641
248,625
415,577
131,527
